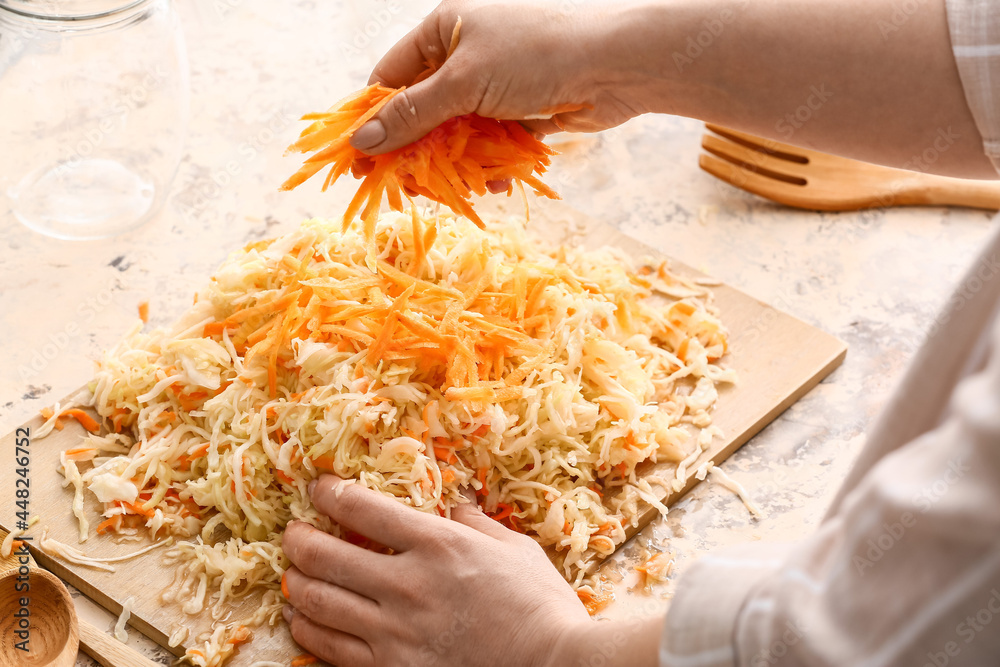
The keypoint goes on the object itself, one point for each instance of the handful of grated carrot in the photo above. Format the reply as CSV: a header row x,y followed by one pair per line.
x,y
448,166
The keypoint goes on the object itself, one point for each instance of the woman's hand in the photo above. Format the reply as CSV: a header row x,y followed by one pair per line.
x,y
526,62
466,591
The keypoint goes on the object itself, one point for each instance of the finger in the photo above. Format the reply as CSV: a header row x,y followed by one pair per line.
x,y
409,57
590,120
413,113
330,605
371,514
541,127
473,517
496,187
323,556
333,646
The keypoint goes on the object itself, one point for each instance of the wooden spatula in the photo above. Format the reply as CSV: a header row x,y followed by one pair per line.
x,y
817,181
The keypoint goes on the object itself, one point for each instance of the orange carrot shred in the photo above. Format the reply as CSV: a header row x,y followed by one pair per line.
x,y
109,525
144,312
449,165
594,603
86,421
213,329
325,461
445,454
240,635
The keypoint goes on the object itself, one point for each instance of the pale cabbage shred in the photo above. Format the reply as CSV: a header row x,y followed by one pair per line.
x,y
607,398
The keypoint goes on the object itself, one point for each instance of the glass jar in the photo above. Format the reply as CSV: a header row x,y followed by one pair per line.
x,y
94,100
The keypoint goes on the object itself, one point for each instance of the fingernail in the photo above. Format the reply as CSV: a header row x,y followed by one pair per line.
x,y
312,486
287,612
368,135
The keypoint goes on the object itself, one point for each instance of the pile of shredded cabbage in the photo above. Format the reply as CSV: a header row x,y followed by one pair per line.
x,y
541,378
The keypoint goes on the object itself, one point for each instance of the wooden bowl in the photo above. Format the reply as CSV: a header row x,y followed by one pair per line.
x,y
53,634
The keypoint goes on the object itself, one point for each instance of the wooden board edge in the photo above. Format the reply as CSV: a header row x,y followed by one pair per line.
x,y
650,513
71,576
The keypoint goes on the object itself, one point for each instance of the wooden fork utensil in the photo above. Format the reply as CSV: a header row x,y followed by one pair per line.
x,y
817,181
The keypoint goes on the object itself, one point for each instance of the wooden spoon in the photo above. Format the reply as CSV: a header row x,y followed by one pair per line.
x,y
51,627
55,631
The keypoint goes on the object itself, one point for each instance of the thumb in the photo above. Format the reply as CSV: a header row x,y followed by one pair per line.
x,y
416,111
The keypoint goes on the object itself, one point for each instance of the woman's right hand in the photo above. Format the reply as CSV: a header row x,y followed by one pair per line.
x,y
517,61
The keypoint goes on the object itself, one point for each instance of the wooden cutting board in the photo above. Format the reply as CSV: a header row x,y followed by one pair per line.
x,y
778,359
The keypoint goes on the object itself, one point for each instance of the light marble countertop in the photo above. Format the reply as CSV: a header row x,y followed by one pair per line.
x,y
875,279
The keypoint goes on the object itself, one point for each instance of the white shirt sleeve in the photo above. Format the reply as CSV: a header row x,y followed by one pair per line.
x,y
906,572
975,39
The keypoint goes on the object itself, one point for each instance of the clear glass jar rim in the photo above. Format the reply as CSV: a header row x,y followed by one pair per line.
x,y
70,10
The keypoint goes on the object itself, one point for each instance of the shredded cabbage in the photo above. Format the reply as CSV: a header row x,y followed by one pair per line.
x,y
470,357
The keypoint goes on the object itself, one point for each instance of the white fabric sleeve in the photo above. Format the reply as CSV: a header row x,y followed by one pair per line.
x,y
975,39
905,572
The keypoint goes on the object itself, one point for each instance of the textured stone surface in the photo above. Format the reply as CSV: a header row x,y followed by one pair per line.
x,y
875,279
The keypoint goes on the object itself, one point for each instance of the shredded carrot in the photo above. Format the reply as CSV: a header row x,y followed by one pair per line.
x,y
447,476
325,461
137,509
503,511
144,312
303,660
449,165
117,417
445,454
241,635
378,348
198,452
86,421
81,453
213,329
246,494
682,349
110,525
284,586
594,602
419,251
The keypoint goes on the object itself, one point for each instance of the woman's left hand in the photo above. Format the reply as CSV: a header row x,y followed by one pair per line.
x,y
465,591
